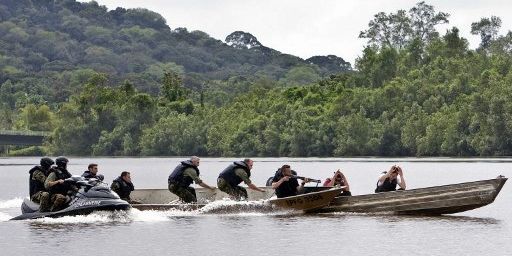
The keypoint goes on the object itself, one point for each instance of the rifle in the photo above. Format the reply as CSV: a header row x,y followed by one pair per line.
x,y
303,178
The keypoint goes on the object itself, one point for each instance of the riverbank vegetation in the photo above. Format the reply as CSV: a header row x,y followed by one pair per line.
x,y
414,92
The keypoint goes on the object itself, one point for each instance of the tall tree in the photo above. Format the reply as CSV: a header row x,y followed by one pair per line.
x,y
487,28
424,19
388,30
396,30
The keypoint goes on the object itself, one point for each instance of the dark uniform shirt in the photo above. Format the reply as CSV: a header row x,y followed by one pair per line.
x,y
287,188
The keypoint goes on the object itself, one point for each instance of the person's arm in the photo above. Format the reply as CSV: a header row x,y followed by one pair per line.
x,y
385,176
402,180
347,187
39,176
115,186
192,174
254,187
243,175
280,181
331,182
204,185
50,181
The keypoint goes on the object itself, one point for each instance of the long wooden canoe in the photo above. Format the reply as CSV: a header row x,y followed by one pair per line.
x,y
436,200
162,199
303,202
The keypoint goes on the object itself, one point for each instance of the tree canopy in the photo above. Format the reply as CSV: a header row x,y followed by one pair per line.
x,y
415,92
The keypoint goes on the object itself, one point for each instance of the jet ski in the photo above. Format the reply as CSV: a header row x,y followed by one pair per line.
x,y
92,195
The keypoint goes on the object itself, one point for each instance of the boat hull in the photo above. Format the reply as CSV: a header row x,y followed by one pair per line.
x,y
307,202
303,202
110,205
165,207
446,199
437,200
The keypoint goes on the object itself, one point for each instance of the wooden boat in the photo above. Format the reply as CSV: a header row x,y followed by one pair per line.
x,y
307,202
153,199
162,199
446,199
436,200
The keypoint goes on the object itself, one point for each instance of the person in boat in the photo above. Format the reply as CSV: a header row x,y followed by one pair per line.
x,y
278,172
92,172
181,178
123,186
285,182
54,183
37,191
390,179
338,179
230,178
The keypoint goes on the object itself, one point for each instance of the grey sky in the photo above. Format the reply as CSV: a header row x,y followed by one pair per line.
x,y
308,28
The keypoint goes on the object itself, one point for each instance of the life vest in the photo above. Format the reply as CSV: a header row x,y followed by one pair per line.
x,y
386,186
229,173
287,188
270,180
60,174
88,175
177,176
35,185
125,188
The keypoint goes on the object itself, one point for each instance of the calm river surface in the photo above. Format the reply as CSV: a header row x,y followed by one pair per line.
x,y
484,231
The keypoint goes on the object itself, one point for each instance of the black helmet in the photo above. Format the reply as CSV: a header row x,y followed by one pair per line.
x,y
46,162
61,161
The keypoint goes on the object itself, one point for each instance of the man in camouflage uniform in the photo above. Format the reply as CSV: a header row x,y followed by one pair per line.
x,y
38,175
59,190
233,175
182,177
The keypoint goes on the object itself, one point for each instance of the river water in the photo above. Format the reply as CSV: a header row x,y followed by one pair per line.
x,y
484,231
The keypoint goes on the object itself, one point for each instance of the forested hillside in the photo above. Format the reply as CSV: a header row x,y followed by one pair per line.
x,y
48,49
416,91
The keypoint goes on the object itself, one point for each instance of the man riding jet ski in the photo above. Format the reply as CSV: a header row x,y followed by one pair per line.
x,y
91,195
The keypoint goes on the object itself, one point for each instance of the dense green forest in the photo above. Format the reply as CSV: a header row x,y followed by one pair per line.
x,y
49,48
415,91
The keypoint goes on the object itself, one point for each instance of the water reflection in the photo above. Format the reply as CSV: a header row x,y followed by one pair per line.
x,y
390,217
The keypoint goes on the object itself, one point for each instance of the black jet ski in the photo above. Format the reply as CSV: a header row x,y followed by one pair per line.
x,y
92,195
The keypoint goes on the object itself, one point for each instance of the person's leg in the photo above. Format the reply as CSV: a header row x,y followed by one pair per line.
x,y
43,199
185,195
58,202
44,202
35,197
241,193
223,186
192,191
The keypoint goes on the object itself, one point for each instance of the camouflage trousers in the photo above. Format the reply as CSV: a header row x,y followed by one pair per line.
x,y
59,202
43,199
236,192
186,194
